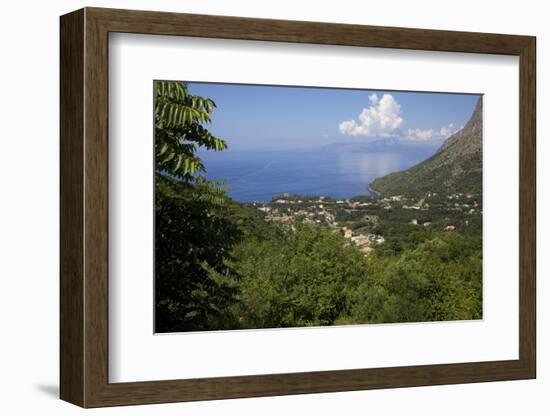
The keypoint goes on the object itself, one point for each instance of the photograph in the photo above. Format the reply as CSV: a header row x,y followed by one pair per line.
x,y
293,206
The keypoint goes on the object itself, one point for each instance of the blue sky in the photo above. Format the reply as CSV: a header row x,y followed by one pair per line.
x,y
252,117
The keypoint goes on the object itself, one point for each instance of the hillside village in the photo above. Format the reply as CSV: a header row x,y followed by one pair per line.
x,y
367,221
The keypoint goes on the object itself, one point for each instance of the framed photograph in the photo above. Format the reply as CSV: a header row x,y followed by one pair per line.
x,y
254,207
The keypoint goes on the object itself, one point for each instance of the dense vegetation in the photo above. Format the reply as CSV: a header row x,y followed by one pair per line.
x,y
220,265
313,276
192,235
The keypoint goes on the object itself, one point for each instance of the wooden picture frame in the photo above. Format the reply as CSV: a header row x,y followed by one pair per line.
x,y
84,207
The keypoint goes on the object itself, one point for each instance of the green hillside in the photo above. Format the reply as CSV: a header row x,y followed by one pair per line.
x,y
455,167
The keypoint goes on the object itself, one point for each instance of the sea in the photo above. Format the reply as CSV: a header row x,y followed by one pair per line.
x,y
339,171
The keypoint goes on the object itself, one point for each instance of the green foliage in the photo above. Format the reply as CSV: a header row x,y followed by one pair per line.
x,y
180,131
274,276
297,278
439,280
194,287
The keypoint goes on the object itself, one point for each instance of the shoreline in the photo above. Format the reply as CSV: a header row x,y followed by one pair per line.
x,y
373,191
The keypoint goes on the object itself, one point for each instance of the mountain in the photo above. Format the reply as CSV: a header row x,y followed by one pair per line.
x,y
455,167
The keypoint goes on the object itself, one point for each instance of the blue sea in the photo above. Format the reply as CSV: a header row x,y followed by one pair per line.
x,y
338,171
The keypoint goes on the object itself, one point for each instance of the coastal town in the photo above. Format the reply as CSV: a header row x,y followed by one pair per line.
x,y
367,221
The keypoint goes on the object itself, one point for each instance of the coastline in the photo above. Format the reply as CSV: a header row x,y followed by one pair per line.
x,y
373,191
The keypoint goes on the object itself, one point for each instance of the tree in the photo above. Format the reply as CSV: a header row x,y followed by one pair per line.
x,y
180,131
193,284
299,277
438,280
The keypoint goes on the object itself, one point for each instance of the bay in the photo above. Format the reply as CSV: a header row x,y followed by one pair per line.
x,y
340,170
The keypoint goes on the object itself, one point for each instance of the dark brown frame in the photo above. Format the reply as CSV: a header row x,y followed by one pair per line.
x,y
84,209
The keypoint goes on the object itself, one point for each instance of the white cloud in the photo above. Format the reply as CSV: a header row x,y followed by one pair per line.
x,y
448,130
373,99
420,134
431,134
381,119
